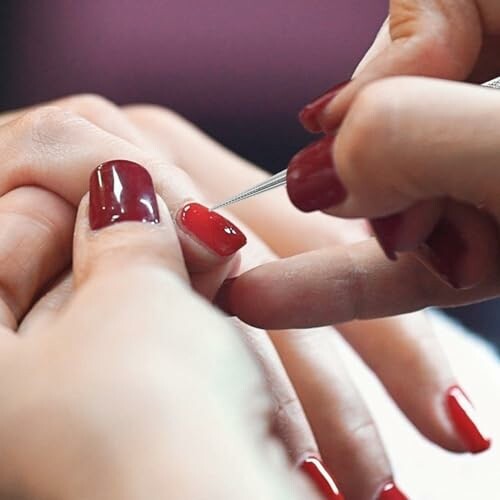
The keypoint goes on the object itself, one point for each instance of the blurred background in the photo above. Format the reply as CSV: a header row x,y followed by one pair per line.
x,y
240,70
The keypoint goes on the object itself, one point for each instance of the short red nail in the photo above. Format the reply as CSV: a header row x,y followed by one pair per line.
x,y
386,230
321,478
465,420
391,492
310,113
443,252
211,229
312,181
120,191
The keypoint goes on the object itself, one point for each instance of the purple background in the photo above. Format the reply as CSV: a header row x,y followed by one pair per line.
x,y
241,70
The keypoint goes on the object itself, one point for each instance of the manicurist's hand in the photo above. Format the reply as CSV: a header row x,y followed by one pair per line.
x,y
137,387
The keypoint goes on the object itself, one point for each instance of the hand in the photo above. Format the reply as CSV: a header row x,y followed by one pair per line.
x,y
448,39
362,469
119,396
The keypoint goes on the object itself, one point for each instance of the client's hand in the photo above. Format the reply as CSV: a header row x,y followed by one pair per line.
x,y
137,388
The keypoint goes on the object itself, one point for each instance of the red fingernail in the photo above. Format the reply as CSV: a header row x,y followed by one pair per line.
x,y
391,492
120,191
310,113
386,230
312,181
321,478
465,420
211,229
443,252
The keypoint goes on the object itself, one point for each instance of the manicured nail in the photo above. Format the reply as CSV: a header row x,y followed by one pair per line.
x,y
391,492
312,181
211,229
386,230
120,191
443,251
322,479
466,421
310,113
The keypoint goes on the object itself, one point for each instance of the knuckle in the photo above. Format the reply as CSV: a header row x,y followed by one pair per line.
x,y
47,125
92,106
154,113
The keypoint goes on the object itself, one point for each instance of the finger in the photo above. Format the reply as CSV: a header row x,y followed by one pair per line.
x,y
432,160
425,395
45,311
201,157
346,434
207,240
127,254
35,246
428,38
339,284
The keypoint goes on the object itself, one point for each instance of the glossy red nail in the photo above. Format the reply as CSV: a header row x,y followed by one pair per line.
x,y
120,191
310,113
386,230
312,181
211,229
443,252
322,479
391,492
465,420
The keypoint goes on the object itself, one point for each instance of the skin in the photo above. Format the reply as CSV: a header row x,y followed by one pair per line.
x,y
444,167
315,406
102,386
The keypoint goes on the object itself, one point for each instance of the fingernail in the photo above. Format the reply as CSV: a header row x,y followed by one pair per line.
x,y
310,113
222,297
391,492
466,421
211,229
386,230
120,191
322,479
443,251
312,181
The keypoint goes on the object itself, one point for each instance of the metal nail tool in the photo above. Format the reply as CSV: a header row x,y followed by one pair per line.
x,y
279,179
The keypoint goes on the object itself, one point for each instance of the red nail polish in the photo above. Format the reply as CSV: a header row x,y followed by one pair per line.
x,y
465,420
391,492
386,230
321,478
312,181
211,229
443,252
120,191
310,113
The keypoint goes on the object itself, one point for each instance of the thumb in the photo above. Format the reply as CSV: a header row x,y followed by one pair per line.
x,y
109,242
440,39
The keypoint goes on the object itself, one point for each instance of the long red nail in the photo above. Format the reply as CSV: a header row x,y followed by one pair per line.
x,y
321,478
465,420
310,113
391,492
386,230
443,252
120,191
211,229
312,181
